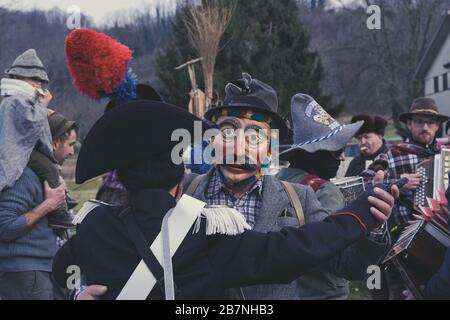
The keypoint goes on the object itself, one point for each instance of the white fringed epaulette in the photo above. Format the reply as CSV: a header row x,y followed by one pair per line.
x,y
222,220
87,207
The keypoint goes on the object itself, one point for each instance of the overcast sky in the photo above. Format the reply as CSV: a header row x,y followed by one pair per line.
x,y
99,10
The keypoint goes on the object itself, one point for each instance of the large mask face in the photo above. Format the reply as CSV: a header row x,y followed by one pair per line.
x,y
245,144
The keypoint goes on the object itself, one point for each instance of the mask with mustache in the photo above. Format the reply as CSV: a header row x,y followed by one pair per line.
x,y
244,163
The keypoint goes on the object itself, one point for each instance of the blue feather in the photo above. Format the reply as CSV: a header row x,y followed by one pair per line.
x,y
127,88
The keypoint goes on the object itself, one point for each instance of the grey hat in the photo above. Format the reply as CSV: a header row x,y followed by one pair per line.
x,y
250,94
314,129
28,65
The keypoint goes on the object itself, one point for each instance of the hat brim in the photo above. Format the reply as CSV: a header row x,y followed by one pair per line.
x,y
137,130
64,128
28,73
404,117
280,123
334,143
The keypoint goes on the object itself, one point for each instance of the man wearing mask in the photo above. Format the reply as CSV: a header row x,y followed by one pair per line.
x,y
315,156
246,122
213,255
262,199
371,143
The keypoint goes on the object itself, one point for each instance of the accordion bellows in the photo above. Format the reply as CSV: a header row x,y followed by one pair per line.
x,y
97,63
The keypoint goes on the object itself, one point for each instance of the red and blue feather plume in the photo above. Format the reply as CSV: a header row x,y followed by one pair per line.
x,y
99,66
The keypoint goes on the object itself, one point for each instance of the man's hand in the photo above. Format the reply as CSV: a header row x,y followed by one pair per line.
x,y
414,180
93,292
384,201
45,98
54,198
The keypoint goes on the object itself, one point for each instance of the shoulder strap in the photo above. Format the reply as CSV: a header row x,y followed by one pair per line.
x,y
138,239
295,201
313,181
193,185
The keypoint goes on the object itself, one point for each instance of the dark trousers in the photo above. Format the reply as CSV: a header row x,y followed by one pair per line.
x,y
26,285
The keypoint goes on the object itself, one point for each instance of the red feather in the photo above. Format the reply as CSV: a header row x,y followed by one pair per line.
x,y
97,63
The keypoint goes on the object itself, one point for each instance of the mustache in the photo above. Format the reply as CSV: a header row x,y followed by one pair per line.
x,y
245,162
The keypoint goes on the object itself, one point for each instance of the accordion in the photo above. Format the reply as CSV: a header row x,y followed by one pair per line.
x,y
419,251
351,187
434,173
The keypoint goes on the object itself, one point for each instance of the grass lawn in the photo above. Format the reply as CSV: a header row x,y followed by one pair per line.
x,y
83,192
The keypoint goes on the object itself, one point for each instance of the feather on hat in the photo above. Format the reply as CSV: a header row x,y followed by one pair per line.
x,y
98,65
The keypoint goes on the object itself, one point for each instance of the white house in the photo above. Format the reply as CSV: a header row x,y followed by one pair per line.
x,y
434,68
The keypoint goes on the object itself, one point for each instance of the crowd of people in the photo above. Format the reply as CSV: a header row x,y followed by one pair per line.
x,y
230,233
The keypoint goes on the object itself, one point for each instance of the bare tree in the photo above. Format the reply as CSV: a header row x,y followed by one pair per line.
x,y
374,69
206,25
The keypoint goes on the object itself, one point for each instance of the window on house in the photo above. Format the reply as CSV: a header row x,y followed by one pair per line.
x,y
445,81
436,84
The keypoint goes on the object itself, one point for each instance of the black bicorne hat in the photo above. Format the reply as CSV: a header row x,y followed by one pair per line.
x,y
137,130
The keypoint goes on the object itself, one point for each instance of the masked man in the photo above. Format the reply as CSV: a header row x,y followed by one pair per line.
x,y
250,108
314,158
215,251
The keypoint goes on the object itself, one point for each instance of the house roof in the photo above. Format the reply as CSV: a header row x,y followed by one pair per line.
x,y
434,48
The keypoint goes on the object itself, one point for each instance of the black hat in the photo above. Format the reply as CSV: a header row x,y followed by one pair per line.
x,y
143,92
373,124
138,130
423,106
59,125
254,95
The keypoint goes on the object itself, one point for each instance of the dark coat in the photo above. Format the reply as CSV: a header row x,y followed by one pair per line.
x,y
204,265
358,164
350,263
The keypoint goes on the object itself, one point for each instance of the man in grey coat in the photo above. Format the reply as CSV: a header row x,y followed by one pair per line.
x,y
314,159
263,200
249,118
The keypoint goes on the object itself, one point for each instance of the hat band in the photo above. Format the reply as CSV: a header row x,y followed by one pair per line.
x,y
244,114
28,67
332,133
426,110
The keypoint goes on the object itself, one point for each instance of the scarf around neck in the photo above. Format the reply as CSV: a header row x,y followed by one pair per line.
x,y
14,87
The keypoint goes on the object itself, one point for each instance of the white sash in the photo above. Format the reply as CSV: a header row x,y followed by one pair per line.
x,y
142,281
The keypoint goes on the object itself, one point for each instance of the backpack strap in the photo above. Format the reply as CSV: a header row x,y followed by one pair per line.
x,y
313,181
193,185
295,201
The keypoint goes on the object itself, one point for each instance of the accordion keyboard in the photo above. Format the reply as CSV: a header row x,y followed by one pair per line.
x,y
425,170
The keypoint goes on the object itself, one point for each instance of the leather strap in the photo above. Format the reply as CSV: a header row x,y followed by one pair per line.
x,y
141,245
193,186
295,201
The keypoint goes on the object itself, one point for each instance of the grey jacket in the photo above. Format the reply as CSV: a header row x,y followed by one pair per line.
x,y
23,126
351,263
320,283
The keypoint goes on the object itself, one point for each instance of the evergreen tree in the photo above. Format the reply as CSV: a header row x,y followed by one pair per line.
x,y
266,39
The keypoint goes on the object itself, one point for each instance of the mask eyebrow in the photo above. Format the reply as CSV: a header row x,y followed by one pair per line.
x,y
258,129
232,122
255,127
